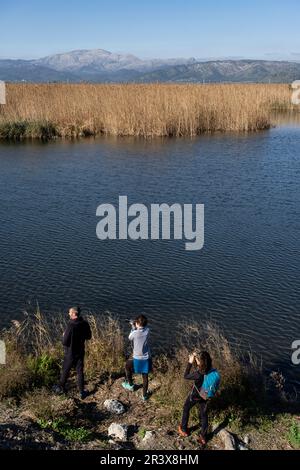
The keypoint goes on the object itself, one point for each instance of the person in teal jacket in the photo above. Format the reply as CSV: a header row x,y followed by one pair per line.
x,y
206,383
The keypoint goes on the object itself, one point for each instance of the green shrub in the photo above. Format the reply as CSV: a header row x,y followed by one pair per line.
x,y
44,369
142,433
18,130
294,435
66,430
13,130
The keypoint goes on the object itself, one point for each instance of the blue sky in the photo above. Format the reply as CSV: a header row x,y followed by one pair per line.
x,y
165,28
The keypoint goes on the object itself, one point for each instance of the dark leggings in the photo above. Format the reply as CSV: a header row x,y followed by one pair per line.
x,y
70,363
129,373
189,404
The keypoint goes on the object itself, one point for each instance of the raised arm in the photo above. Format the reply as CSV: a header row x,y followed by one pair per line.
x,y
188,375
132,334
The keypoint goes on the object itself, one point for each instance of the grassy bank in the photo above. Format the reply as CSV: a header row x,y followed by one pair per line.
x,y
248,401
34,352
46,111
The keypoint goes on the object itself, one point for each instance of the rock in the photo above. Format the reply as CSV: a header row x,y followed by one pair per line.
x,y
114,444
119,431
246,440
148,436
228,439
155,385
114,406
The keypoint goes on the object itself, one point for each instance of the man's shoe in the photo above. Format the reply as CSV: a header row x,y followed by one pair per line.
x,y
83,394
145,397
183,433
128,387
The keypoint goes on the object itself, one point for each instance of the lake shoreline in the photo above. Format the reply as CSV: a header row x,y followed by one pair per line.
x,y
249,403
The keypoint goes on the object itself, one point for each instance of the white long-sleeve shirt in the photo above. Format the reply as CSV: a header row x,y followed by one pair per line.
x,y
139,337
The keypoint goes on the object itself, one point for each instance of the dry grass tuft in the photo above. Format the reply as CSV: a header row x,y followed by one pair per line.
x,y
14,377
41,404
105,352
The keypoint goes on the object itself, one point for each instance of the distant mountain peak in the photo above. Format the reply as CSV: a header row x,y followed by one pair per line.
x,y
105,61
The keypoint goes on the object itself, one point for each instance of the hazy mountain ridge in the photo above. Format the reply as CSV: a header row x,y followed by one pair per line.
x,y
229,71
106,61
25,70
100,65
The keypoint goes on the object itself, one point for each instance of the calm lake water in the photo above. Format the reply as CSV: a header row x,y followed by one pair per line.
x,y
246,278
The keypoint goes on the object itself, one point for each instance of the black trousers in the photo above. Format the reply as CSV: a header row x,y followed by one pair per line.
x,y
129,374
189,404
69,364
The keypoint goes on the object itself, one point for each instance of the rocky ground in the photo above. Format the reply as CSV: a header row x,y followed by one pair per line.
x,y
132,423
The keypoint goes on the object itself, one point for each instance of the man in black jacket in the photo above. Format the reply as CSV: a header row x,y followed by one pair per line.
x,y
77,332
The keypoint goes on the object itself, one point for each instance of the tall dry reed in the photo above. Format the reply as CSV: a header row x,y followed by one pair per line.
x,y
72,110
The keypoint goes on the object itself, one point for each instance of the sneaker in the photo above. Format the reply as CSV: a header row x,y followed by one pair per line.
x,y
145,397
128,387
83,394
183,433
202,440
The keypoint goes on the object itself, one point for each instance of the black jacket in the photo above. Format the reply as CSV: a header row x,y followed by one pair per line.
x,y
197,377
77,332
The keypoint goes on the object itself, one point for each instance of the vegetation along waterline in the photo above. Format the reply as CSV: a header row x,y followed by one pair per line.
x,y
46,111
251,406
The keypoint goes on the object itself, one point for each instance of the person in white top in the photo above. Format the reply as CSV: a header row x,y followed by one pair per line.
x,y
141,362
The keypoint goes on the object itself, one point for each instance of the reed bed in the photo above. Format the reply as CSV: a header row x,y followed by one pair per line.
x,y
74,110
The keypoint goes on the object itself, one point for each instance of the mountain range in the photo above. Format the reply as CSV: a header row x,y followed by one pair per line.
x,y
99,65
